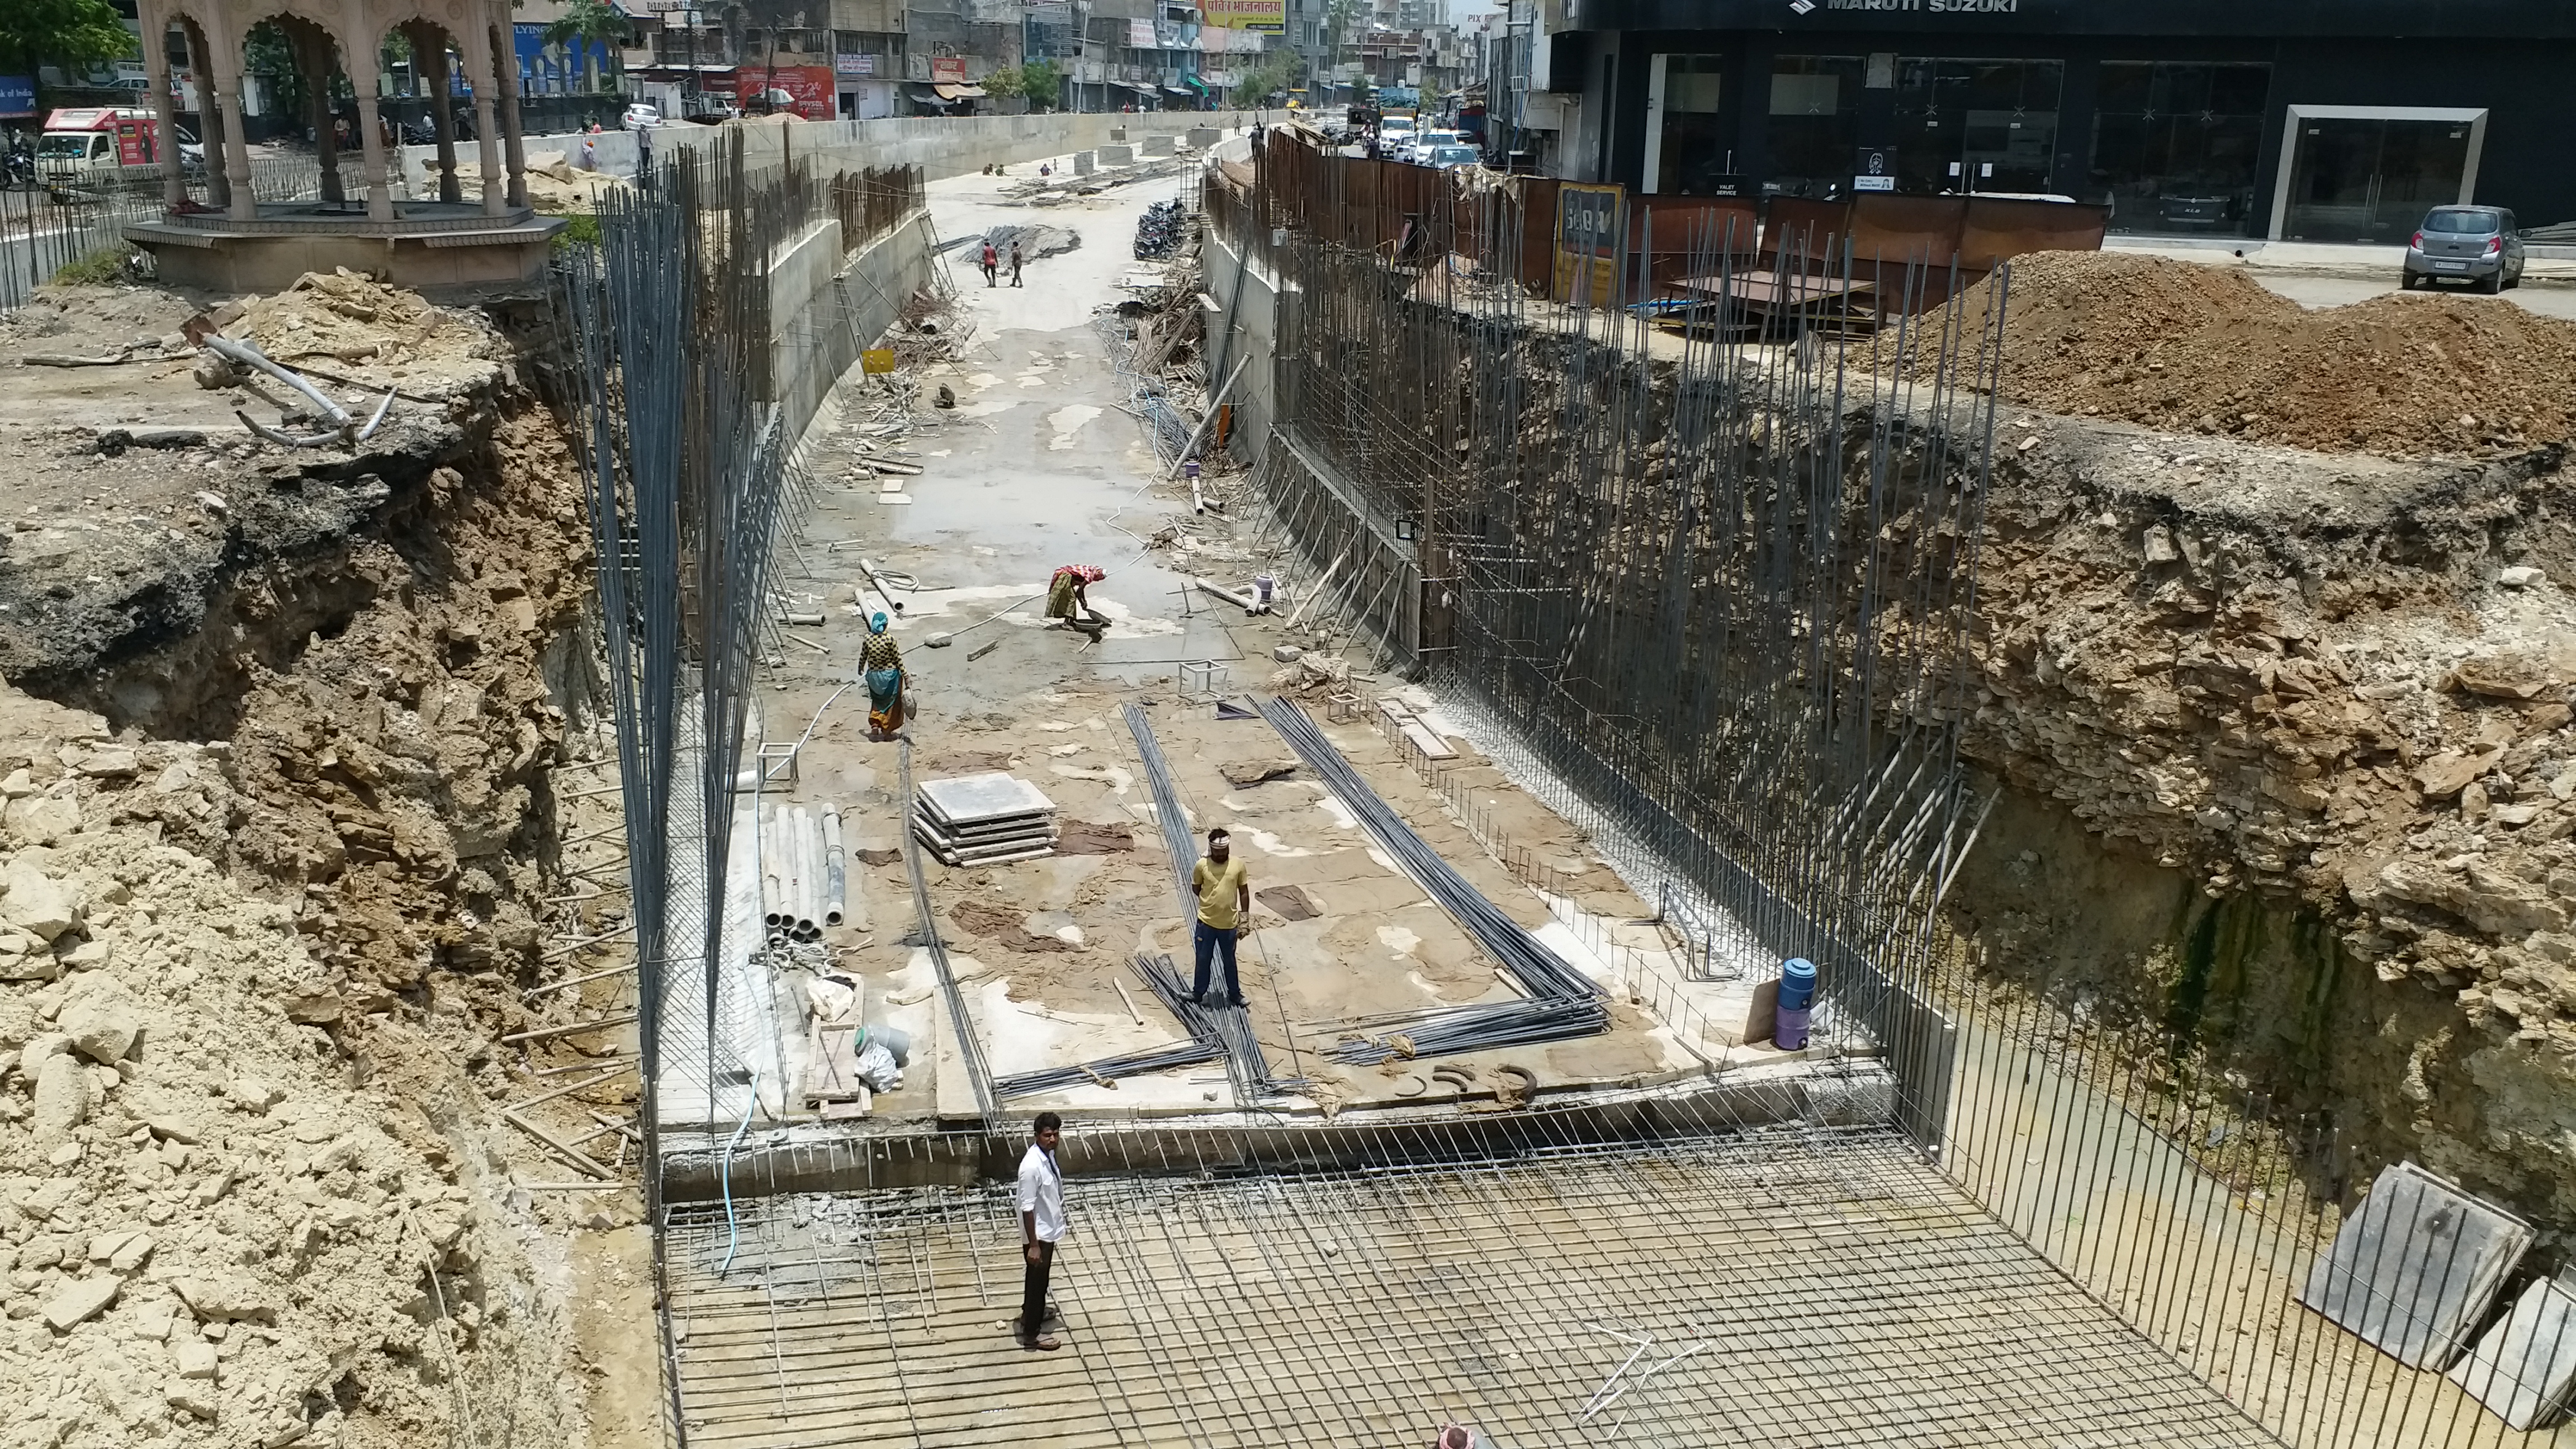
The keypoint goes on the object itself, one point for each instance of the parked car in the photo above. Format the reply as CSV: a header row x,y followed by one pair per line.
x,y
640,114
2192,208
2473,244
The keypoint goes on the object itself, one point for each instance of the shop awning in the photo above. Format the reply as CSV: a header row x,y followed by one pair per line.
x,y
1177,90
1132,86
959,93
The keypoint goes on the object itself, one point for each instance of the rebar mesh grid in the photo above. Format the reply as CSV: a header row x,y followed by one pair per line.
x,y
1787,1288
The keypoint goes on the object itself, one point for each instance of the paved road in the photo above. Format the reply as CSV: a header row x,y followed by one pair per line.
x,y
2548,301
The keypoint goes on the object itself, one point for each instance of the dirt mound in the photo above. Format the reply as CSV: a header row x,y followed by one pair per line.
x,y
354,320
2194,348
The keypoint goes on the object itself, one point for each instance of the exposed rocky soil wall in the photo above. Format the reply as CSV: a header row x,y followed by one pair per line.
x,y
275,848
2284,745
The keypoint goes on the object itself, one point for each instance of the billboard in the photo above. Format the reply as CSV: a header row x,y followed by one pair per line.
x,y
809,88
1267,17
559,67
948,70
17,96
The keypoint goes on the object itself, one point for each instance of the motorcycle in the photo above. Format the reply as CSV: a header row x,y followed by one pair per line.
x,y
19,171
1158,231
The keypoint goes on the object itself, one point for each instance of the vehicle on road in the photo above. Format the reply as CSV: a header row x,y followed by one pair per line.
x,y
2473,244
82,142
1451,157
1425,141
640,114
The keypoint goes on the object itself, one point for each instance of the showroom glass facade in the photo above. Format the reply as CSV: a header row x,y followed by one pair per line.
x,y
2177,145
2223,119
1977,125
1814,123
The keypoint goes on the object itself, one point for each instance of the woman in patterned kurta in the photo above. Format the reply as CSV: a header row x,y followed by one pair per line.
x,y
881,664
1066,598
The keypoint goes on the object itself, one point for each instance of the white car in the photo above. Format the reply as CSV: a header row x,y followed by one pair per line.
x,y
640,114
1449,157
1426,143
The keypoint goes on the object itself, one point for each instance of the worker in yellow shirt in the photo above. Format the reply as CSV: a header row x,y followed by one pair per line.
x,y
1224,890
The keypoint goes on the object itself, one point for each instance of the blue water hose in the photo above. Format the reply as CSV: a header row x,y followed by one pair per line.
x,y
733,1228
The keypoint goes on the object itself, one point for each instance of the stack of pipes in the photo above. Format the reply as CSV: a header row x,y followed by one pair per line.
x,y
803,873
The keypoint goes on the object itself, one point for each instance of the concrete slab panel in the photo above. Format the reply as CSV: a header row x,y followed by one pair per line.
x,y
2415,1270
2525,1366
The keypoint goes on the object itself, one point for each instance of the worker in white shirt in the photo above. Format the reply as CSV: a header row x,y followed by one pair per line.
x,y
1041,1228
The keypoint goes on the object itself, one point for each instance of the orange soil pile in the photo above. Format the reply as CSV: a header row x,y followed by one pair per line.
x,y
2193,348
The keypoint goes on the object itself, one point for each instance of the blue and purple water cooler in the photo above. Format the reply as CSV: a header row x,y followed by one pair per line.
x,y
1797,997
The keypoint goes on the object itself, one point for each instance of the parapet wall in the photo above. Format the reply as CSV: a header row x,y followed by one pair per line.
x,y
942,146
825,308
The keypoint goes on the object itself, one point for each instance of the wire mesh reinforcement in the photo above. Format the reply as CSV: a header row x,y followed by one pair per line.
x,y
1804,1288
1710,565
1704,537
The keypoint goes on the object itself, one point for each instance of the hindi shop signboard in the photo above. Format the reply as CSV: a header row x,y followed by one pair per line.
x,y
809,89
1590,224
1262,17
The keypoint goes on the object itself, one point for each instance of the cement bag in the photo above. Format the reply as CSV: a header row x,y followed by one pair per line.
x,y
877,1068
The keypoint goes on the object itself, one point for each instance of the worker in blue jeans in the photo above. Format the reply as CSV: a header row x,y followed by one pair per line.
x,y
1224,890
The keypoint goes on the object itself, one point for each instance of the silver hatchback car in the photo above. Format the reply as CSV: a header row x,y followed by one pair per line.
x,y
2473,244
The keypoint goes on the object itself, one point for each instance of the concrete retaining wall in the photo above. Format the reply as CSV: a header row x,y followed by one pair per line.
x,y
941,145
1245,324
824,311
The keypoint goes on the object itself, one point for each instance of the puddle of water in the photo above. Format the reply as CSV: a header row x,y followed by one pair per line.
x,y
1118,780
1068,421
1269,844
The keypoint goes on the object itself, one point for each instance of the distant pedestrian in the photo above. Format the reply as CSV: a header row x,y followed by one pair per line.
x,y
1224,889
1015,264
589,153
992,263
643,148
1041,1203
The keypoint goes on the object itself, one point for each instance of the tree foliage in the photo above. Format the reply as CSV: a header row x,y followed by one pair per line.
x,y
1003,84
590,23
67,33
1042,83
1279,70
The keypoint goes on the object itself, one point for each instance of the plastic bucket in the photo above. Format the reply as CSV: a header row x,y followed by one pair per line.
x,y
1797,984
1262,585
1789,1029
896,1041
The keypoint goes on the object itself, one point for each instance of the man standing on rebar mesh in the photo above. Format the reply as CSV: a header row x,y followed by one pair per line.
x,y
1224,889
1041,1228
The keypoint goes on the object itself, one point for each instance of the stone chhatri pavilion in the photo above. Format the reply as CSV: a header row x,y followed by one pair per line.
x,y
443,244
